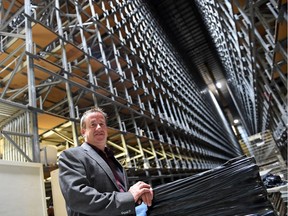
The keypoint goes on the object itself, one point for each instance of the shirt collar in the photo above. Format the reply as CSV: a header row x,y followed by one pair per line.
x,y
107,150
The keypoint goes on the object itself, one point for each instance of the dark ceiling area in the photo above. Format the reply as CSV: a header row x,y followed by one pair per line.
x,y
185,28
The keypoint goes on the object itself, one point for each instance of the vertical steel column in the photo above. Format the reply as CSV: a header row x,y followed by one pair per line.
x,y
116,54
183,118
104,58
31,83
65,66
164,115
124,144
171,119
167,162
145,160
158,163
253,65
86,50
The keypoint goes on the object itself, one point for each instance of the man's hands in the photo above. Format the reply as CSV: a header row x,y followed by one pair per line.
x,y
142,192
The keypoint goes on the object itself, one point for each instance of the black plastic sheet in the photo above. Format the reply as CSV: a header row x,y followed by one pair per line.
x,y
235,188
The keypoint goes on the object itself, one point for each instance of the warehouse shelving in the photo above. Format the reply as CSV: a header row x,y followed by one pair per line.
x,y
251,38
59,58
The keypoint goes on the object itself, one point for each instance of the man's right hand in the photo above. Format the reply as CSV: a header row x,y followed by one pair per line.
x,y
142,192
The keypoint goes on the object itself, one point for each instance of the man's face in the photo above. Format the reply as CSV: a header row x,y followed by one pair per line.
x,y
95,132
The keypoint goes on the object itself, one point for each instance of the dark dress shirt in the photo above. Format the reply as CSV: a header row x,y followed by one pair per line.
x,y
108,157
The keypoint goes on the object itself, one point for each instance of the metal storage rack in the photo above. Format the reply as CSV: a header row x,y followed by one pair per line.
x,y
251,39
58,58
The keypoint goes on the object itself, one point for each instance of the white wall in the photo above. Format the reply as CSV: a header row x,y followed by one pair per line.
x,y
22,190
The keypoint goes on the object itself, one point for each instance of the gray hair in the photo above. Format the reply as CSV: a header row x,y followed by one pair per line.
x,y
92,110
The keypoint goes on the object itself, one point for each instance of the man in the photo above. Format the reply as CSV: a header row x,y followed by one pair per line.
x,y
92,181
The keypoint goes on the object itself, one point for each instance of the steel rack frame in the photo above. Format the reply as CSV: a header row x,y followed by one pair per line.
x,y
59,58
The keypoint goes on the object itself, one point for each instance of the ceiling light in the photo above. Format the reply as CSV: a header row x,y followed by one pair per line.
x,y
236,121
218,85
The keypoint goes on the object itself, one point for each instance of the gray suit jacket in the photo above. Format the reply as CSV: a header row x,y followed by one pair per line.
x,y
89,186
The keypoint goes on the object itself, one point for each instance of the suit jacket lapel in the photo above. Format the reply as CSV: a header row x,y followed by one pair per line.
x,y
95,156
125,179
